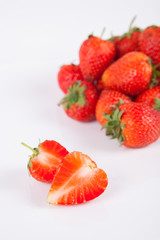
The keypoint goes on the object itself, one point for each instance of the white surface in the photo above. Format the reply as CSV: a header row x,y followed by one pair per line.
x,y
36,37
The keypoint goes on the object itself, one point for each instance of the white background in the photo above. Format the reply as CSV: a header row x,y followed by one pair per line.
x,y
36,38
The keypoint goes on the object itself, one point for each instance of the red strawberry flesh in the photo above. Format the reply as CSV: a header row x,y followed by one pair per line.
x,y
77,181
45,160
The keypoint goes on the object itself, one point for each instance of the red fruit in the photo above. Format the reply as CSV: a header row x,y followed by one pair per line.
x,y
135,37
68,75
77,181
149,43
45,160
134,124
127,43
150,97
95,55
130,74
80,101
107,99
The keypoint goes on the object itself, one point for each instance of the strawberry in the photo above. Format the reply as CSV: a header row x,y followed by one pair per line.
x,y
107,99
45,160
149,43
128,42
150,97
134,124
68,75
77,181
131,74
80,101
95,55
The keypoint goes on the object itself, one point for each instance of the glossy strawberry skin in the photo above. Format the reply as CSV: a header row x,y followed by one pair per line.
x,y
95,55
149,43
142,124
107,99
127,44
131,74
84,113
77,181
149,96
68,75
45,164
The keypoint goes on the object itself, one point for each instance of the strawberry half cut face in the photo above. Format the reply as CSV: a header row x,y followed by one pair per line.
x,y
45,160
78,180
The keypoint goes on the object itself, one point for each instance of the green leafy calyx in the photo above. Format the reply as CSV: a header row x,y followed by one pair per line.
x,y
75,95
90,35
112,38
157,104
129,33
152,26
35,153
114,126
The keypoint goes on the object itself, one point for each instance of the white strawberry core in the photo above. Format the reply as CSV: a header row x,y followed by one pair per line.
x,y
53,197
84,171
48,159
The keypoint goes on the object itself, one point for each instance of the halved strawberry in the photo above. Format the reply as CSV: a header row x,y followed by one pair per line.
x,y
45,160
78,180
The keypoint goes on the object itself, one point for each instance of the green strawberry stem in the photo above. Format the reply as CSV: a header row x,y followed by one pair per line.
x,y
157,104
102,33
127,34
114,126
131,24
112,38
34,150
75,95
155,74
35,153
130,30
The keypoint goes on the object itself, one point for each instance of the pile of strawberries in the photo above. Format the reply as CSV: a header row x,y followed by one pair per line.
x,y
117,82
